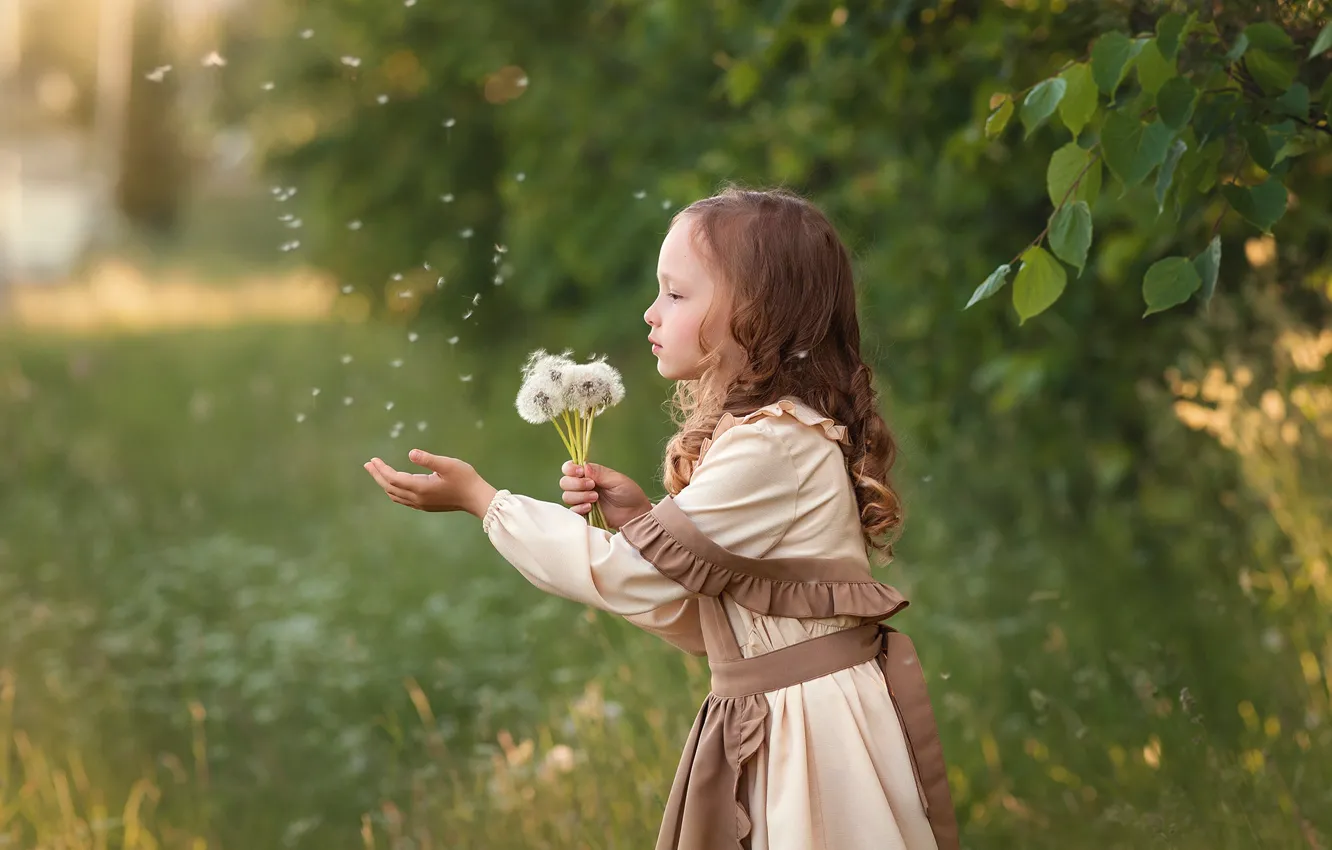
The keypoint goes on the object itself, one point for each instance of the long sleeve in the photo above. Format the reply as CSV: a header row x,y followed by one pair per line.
x,y
557,551
742,496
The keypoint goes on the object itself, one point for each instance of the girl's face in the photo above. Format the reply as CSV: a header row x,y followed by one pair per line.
x,y
686,289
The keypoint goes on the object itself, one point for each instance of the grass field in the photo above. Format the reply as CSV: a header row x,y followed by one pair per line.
x,y
217,632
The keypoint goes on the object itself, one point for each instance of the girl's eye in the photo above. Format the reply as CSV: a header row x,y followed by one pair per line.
x,y
674,296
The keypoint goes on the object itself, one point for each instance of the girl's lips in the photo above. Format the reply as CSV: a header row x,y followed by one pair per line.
x,y
655,348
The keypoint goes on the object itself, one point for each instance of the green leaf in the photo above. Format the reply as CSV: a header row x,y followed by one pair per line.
x,y
1041,103
1153,68
1216,115
998,120
1132,149
1079,103
1174,102
1265,142
1039,283
1071,234
1208,264
992,284
1295,101
1110,58
1167,172
1268,36
1066,164
1262,205
1273,73
1237,49
1168,31
1323,43
1169,282
742,81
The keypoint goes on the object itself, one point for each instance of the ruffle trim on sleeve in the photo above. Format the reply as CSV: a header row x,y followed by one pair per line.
x,y
492,510
778,587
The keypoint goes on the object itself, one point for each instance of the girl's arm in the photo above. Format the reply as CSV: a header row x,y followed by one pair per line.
x,y
743,497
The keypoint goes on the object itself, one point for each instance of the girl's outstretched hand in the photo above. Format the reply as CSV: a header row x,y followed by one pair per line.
x,y
451,484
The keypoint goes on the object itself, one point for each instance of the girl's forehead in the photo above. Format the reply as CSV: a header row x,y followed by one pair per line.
x,y
681,256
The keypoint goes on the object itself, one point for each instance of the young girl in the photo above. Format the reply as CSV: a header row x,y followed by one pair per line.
x,y
818,732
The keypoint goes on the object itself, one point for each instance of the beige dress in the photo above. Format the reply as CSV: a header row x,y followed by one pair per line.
x,y
762,553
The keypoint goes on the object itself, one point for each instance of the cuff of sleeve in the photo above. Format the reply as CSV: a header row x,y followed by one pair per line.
x,y
492,510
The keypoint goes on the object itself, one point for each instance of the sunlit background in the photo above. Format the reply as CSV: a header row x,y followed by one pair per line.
x,y
245,246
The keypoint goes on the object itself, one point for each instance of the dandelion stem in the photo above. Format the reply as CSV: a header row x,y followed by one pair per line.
x,y
572,425
568,444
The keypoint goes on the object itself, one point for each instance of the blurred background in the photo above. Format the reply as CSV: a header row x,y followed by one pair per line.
x,y
246,246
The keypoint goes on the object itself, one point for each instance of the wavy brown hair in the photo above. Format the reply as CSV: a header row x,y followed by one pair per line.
x,y
788,281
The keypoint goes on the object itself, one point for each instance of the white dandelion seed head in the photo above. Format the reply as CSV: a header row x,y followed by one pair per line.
x,y
540,399
553,367
594,386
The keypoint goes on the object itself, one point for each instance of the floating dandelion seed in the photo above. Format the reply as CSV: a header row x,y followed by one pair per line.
x,y
307,33
354,224
640,195
291,246
499,281
464,378
468,314
465,233
285,217
420,426
409,3
347,400
295,223
480,422
383,98
300,417
347,290
453,340
397,275
158,74
501,249
447,198
267,86
396,363
388,405
314,391
351,61
449,122
476,298
426,266
346,358
521,176
213,60
665,205
413,336
439,284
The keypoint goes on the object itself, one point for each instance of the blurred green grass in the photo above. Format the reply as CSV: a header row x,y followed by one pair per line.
x,y
174,534
206,601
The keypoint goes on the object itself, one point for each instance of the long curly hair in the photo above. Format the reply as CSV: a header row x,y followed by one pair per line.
x,y
789,284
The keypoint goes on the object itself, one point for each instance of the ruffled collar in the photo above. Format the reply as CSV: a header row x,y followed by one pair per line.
x,y
788,406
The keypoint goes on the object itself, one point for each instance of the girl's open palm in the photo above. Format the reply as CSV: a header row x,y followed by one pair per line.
x,y
449,485
620,498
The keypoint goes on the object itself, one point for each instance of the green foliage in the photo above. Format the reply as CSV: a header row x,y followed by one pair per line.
x,y
1220,109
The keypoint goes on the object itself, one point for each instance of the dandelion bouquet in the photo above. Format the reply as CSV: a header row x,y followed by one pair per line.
x,y
570,396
